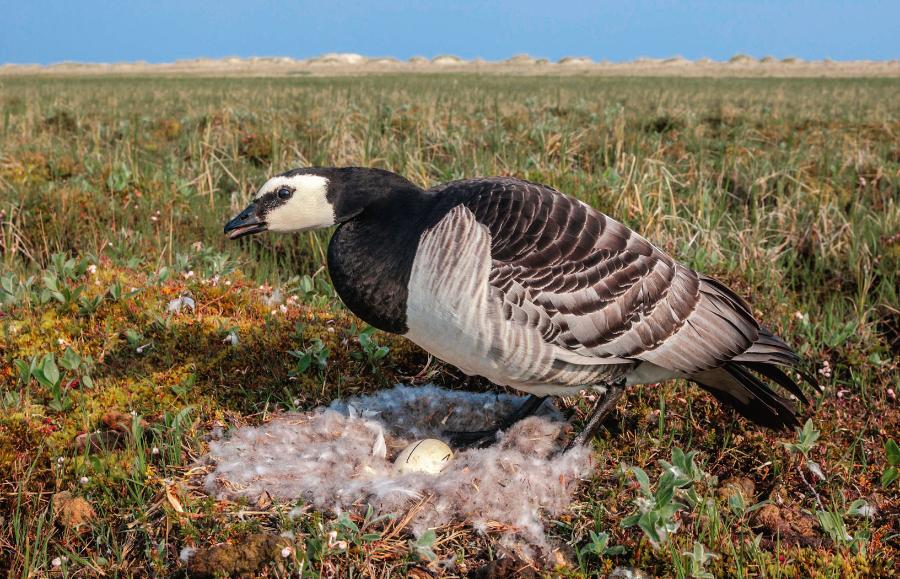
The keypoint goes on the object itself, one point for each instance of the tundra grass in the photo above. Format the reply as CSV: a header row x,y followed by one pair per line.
x,y
113,193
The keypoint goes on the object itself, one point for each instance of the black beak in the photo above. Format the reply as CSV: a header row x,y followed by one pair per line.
x,y
245,223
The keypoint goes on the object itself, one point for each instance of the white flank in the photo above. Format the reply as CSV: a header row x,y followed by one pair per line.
x,y
453,313
308,208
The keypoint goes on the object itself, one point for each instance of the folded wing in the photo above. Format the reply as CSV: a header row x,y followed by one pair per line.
x,y
603,293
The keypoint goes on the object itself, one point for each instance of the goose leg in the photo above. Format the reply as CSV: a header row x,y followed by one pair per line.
x,y
482,438
601,410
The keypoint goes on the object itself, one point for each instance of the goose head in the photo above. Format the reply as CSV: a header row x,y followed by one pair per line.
x,y
315,198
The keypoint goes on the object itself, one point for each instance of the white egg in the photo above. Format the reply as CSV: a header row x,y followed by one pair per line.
x,y
429,455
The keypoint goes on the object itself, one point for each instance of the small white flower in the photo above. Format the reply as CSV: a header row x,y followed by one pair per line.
x,y
891,394
92,269
60,460
84,480
188,274
335,544
231,338
154,451
60,341
56,562
274,299
134,412
227,282
296,402
286,552
177,304
283,309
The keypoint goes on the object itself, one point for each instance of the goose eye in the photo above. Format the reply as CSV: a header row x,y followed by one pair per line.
x,y
284,193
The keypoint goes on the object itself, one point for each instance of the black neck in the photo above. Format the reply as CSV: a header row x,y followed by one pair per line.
x,y
370,257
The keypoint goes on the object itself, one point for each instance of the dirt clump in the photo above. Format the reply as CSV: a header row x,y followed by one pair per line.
x,y
101,441
245,558
738,485
505,568
793,526
119,428
115,420
72,513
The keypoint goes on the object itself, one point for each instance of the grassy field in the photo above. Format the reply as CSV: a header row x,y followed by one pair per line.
x,y
113,193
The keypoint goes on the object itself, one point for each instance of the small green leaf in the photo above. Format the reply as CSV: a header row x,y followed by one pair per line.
x,y
348,523
70,360
648,523
757,506
25,370
630,520
134,338
893,452
736,502
642,478
678,457
51,283
423,546
47,373
889,476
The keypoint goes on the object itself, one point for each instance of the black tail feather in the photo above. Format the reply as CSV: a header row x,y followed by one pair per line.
x,y
774,373
737,385
783,408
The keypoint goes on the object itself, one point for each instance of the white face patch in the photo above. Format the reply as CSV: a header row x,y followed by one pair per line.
x,y
308,208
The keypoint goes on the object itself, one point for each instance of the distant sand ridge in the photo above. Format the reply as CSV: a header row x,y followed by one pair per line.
x,y
337,64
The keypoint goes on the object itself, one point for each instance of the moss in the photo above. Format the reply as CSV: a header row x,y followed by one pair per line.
x,y
21,442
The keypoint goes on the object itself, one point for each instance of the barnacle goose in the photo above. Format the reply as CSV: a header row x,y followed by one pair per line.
x,y
530,288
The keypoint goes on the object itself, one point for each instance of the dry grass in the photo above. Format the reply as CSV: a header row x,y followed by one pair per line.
x,y
787,189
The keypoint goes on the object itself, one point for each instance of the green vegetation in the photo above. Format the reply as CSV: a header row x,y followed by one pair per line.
x,y
130,328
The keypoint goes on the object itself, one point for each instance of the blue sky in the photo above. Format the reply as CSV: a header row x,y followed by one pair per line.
x,y
45,31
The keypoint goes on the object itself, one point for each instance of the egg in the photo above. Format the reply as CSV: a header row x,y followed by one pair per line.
x,y
429,456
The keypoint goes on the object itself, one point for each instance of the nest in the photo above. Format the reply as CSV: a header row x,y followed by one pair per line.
x,y
341,458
